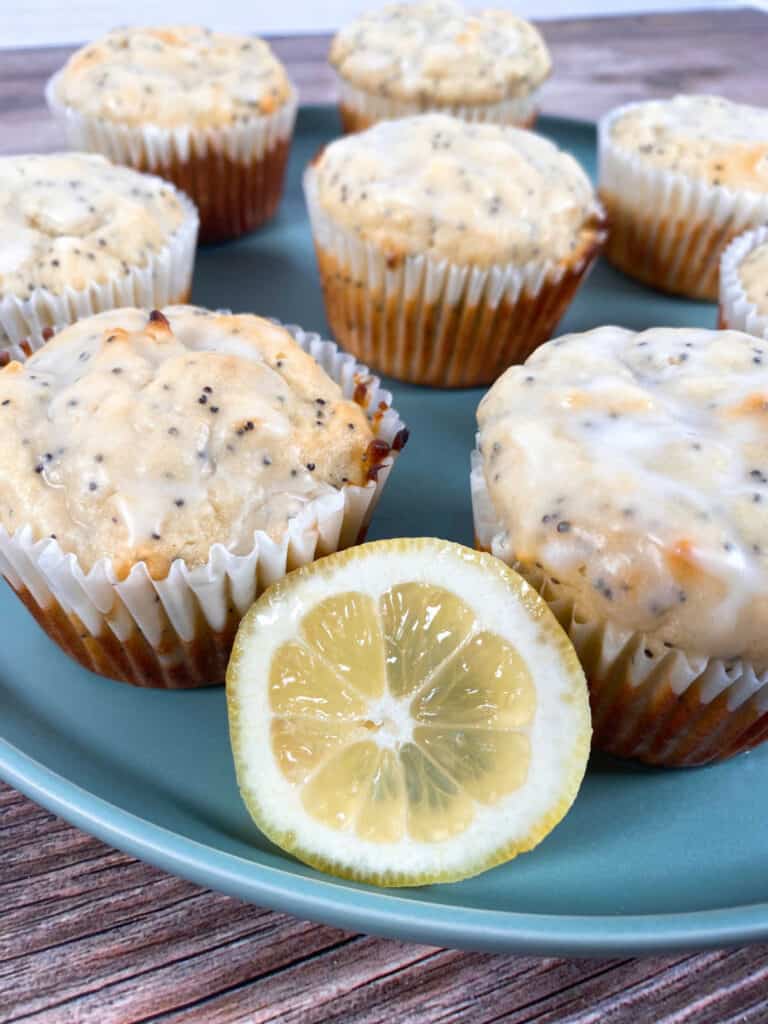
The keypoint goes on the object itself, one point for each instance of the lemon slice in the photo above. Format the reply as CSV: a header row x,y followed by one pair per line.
x,y
406,712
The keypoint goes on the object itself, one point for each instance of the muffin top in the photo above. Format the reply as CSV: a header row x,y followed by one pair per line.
x,y
633,469
153,438
69,219
753,274
436,52
468,193
181,76
701,137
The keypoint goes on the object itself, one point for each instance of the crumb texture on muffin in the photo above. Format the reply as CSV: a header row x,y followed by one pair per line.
x,y
632,471
701,137
467,193
153,439
753,274
71,219
436,52
179,76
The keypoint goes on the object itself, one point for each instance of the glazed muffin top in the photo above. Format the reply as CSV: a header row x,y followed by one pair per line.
x,y
753,275
468,193
153,438
633,470
435,52
702,137
181,76
70,219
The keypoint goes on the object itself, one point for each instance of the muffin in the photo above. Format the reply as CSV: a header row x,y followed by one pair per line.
x,y
408,58
79,236
449,250
744,284
213,113
626,476
679,179
159,471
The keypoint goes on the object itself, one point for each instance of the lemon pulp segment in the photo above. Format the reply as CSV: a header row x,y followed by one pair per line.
x,y
396,717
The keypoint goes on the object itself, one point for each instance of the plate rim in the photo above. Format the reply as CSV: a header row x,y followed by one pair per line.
x,y
379,912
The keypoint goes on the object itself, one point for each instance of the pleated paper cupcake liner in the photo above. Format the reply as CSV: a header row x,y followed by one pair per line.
x,y
649,702
737,313
432,322
164,280
178,632
360,109
233,173
669,230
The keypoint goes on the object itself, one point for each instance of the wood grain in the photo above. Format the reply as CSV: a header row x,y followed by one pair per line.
x,y
92,936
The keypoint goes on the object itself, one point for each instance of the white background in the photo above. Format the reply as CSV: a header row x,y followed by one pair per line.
x,y
41,22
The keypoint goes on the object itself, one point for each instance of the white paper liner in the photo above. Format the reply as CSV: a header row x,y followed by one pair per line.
x,y
152,146
102,602
619,657
164,280
737,313
420,281
668,229
372,107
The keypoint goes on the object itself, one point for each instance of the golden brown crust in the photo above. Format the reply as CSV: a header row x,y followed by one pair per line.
x,y
673,255
232,197
465,345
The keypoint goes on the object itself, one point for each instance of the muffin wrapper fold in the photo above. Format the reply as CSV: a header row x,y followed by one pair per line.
x,y
649,702
737,313
669,230
432,322
360,109
165,280
178,632
233,173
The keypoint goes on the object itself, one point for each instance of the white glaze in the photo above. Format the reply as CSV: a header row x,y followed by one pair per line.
x,y
72,219
174,77
633,468
129,440
436,53
467,193
702,137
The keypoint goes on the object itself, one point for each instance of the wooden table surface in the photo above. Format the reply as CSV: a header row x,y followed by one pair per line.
x,y
88,934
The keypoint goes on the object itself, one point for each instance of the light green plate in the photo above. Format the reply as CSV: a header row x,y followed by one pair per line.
x,y
646,860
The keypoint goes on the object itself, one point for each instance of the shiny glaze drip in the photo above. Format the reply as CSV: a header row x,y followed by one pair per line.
x,y
633,470
154,438
468,193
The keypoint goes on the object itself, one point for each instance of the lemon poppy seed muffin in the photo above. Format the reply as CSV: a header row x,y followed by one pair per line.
x,y
175,77
627,475
448,250
407,58
744,284
210,111
679,179
185,444
81,235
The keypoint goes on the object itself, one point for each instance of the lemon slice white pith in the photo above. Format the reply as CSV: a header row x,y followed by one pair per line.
x,y
406,712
